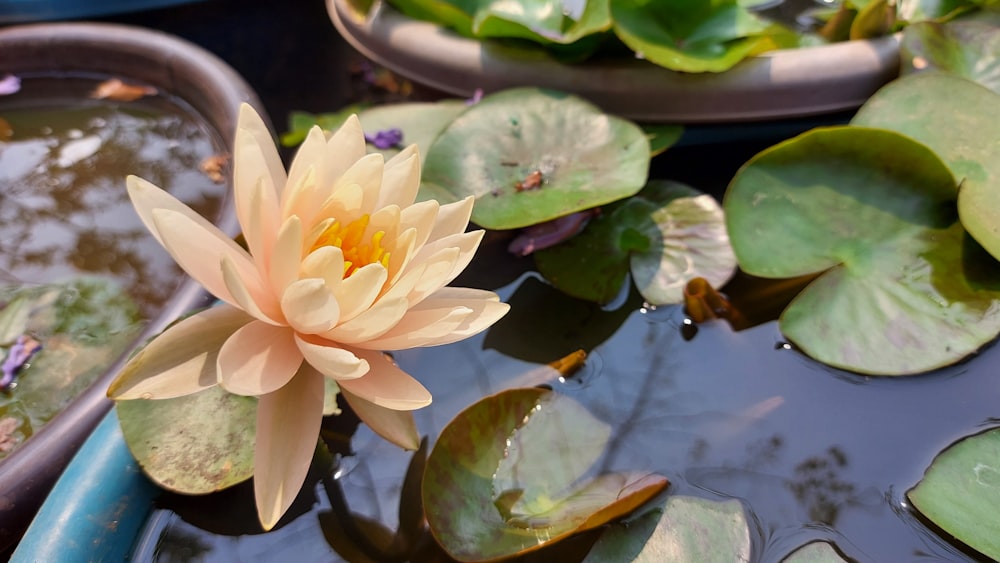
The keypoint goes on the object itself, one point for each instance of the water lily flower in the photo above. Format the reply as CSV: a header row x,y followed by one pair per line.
x,y
341,266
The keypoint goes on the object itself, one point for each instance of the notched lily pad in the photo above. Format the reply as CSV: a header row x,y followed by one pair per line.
x,y
947,113
679,529
666,236
960,492
530,155
194,444
507,476
874,211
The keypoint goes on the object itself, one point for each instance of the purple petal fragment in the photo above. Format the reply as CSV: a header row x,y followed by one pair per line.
x,y
386,138
23,349
9,84
550,233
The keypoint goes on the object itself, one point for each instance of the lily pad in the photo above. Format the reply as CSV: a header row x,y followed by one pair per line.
x,y
969,49
420,122
960,492
666,235
530,155
542,21
194,444
690,35
815,552
680,529
506,476
949,115
874,211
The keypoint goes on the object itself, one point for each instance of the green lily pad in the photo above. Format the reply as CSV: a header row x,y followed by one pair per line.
x,y
530,155
960,492
194,444
916,12
680,529
662,137
950,115
542,21
666,235
506,476
873,210
969,49
420,122
815,552
690,35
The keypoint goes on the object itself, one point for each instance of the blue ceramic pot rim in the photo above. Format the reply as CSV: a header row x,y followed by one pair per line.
x,y
215,91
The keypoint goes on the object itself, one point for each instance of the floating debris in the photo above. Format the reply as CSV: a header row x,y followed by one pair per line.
x,y
213,166
532,182
9,84
551,233
115,89
386,138
8,438
19,354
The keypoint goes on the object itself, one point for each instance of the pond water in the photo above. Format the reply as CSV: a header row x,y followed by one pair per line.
x,y
71,246
811,452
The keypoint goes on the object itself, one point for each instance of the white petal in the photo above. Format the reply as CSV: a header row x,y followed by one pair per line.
x,y
284,267
288,423
310,307
395,426
450,315
258,359
180,360
327,263
420,216
466,243
357,292
453,218
199,251
250,122
302,173
330,359
366,173
253,299
146,197
386,385
401,179
372,323
345,147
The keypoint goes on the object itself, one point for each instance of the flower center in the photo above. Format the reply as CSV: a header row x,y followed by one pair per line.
x,y
349,239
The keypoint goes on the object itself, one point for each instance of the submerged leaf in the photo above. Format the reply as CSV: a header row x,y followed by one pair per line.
x,y
194,444
680,529
901,291
116,89
960,492
506,476
564,153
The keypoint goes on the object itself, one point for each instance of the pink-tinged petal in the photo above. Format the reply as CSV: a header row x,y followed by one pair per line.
x,y
401,253
199,251
250,122
357,292
401,179
146,198
301,186
420,216
386,385
466,243
385,219
366,173
326,263
374,322
450,315
395,426
453,218
288,423
345,147
180,360
284,267
344,204
310,307
258,359
437,272
253,299
259,220
330,359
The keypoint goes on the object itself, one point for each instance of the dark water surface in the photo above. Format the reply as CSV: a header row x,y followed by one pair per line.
x,y
812,452
65,218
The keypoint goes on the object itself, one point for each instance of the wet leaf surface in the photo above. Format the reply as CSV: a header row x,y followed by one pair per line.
x,y
507,476
678,529
874,211
564,153
960,492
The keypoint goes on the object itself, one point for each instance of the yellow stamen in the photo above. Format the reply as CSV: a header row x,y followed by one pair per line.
x,y
350,240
